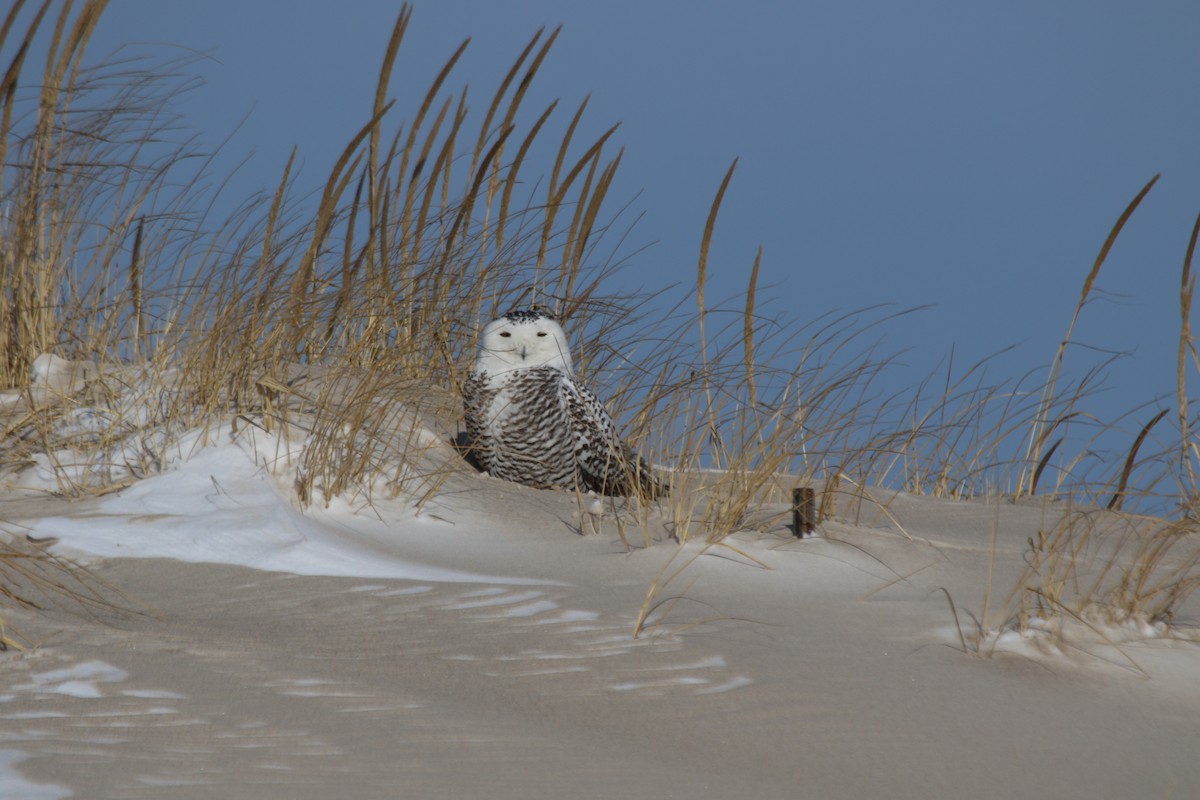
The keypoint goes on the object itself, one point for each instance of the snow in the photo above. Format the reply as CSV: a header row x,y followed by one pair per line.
x,y
80,680
15,787
222,506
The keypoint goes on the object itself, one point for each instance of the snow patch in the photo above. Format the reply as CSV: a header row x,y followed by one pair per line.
x,y
79,680
15,787
222,506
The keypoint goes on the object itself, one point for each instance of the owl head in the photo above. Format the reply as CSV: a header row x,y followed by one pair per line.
x,y
523,340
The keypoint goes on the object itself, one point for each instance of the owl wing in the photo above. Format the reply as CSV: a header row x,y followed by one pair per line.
x,y
476,398
606,463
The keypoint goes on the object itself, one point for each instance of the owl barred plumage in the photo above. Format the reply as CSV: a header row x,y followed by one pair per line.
x,y
530,421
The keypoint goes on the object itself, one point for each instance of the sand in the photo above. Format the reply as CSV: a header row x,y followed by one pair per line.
x,y
483,648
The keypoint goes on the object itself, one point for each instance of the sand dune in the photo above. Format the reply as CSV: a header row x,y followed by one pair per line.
x,y
483,648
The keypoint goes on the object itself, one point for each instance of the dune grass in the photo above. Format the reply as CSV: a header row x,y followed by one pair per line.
x,y
329,319
32,578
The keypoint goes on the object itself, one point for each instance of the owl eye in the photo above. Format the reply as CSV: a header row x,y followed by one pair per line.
x,y
541,333
505,334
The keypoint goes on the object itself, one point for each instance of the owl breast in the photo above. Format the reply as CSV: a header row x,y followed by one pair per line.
x,y
519,426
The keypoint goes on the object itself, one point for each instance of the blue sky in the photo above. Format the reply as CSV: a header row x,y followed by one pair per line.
x,y
968,156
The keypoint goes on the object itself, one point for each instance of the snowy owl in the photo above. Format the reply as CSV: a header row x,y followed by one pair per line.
x,y
531,421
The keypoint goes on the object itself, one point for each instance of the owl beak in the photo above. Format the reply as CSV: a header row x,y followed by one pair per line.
x,y
522,352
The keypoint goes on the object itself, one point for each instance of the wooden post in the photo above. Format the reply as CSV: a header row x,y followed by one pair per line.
x,y
804,511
